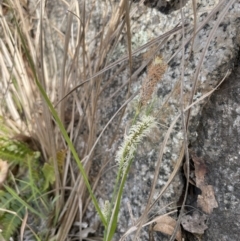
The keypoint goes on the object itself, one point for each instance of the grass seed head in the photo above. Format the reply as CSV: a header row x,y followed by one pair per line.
x,y
129,146
155,73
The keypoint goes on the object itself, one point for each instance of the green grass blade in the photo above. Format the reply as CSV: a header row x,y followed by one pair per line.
x,y
112,225
20,200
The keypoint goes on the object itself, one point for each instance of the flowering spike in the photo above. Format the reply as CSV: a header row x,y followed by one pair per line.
x,y
135,136
106,209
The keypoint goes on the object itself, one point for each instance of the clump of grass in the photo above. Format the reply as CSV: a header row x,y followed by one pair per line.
x,y
23,116
27,107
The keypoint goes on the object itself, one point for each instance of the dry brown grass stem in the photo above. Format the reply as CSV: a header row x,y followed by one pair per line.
x,y
124,58
107,35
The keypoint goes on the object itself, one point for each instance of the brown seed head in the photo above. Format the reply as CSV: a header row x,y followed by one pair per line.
x,y
155,72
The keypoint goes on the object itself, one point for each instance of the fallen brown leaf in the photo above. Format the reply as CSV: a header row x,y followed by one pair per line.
x,y
207,199
194,223
200,170
166,225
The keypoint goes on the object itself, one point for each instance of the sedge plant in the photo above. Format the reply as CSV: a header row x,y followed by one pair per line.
x,y
124,158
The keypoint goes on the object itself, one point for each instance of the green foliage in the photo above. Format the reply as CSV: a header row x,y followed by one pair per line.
x,y
8,221
48,172
24,191
15,151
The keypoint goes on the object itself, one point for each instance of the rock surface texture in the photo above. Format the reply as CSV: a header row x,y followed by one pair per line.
x,y
206,62
218,145
214,50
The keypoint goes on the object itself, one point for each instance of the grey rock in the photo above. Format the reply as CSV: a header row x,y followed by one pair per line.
x,y
221,51
218,144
